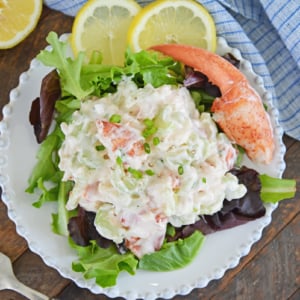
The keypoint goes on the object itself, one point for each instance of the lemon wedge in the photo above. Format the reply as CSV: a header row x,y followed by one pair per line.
x,y
18,18
102,25
172,21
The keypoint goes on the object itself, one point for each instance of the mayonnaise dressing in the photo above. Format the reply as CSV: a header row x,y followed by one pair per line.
x,y
161,163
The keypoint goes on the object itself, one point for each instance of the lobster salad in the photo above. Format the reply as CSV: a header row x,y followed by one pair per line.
x,y
138,162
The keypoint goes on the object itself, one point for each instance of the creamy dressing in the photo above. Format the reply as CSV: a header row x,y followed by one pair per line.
x,y
161,162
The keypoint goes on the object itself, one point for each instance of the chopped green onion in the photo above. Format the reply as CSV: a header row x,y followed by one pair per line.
x,y
156,140
180,170
100,147
149,131
203,179
150,128
119,161
149,172
115,118
147,148
135,173
148,123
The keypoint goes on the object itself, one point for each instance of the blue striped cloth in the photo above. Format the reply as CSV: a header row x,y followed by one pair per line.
x,y
267,32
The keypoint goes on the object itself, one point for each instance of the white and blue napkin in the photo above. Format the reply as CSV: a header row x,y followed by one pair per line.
x,y
267,32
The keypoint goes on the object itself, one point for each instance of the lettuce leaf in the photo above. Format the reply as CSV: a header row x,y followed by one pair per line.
x,y
149,68
69,69
274,190
61,218
48,194
173,255
46,168
102,264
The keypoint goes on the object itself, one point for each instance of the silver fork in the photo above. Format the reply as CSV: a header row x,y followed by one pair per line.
x,y
9,281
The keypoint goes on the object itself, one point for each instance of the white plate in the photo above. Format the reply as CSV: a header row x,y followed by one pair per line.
x,y
18,148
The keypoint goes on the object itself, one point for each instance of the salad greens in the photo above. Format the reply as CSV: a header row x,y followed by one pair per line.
x,y
79,80
69,69
102,264
173,255
46,167
60,220
276,189
105,264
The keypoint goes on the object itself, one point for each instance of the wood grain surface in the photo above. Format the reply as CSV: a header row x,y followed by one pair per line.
x,y
271,271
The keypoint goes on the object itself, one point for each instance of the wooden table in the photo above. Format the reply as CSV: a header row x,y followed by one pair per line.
x,y
271,271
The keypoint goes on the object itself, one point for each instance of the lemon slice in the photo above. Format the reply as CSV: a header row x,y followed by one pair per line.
x,y
18,18
172,21
102,25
